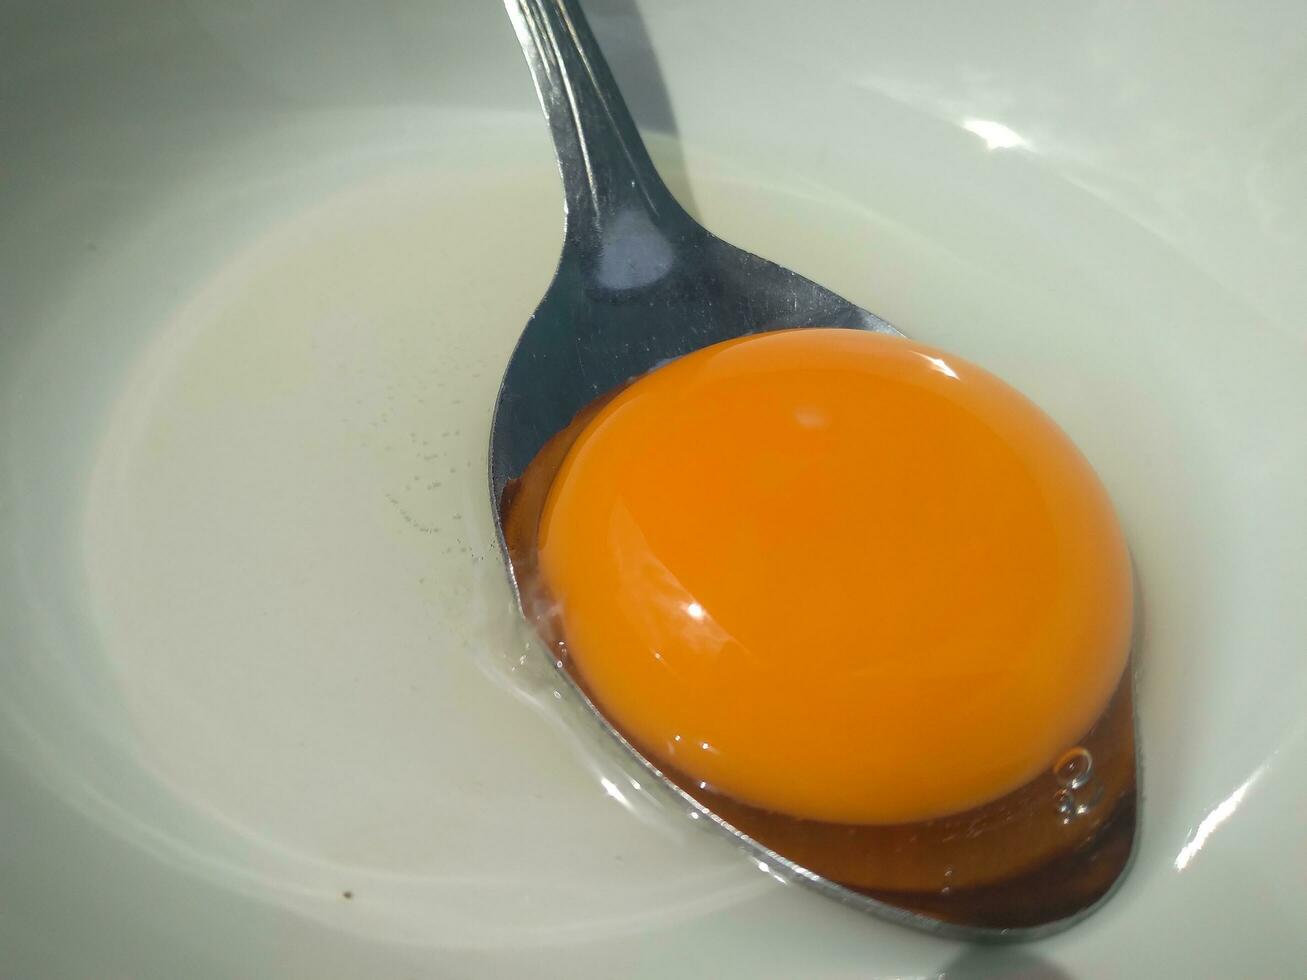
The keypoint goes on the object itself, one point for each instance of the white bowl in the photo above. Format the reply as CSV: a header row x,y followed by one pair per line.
x,y
261,705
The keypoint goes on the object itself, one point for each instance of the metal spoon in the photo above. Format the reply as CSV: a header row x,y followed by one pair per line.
x,y
640,282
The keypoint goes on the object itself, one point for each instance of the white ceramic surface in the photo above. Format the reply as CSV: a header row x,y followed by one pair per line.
x,y
261,710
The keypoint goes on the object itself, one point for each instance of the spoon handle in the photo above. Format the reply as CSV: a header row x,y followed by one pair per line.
x,y
605,167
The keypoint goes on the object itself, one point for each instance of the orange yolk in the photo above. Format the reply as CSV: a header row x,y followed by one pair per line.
x,y
839,575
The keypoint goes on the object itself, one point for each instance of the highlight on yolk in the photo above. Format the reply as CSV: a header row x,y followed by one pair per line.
x,y
839,575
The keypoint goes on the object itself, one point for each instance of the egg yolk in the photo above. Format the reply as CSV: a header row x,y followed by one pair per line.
x,y
838,574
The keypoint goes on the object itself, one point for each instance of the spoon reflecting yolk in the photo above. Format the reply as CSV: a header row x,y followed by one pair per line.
x,y
839,575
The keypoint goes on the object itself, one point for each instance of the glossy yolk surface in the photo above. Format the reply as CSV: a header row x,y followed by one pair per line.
x,y
839,575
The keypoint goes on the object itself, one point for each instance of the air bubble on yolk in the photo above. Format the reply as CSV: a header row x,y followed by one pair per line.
x,y
839,575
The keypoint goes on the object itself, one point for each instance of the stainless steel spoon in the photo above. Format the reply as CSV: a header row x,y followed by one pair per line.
x,y
640,282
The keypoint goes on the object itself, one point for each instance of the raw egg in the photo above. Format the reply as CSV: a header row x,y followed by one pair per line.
x,y
837,575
